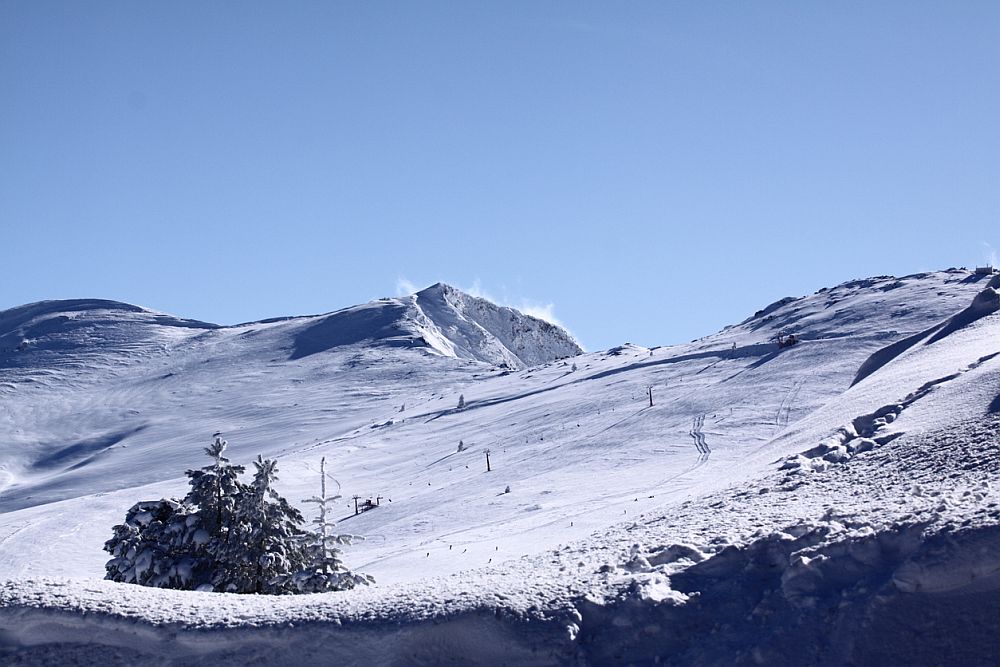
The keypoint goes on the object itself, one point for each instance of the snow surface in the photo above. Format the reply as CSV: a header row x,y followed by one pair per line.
x,y
830,502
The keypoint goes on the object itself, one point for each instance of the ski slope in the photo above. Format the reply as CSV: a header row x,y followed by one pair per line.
x,y
621,516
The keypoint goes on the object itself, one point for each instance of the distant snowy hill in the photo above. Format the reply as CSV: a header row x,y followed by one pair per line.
x,y
46,332
724,501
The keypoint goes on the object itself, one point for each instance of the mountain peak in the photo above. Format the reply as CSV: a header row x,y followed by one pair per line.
x,y
446,320
439,287
468,326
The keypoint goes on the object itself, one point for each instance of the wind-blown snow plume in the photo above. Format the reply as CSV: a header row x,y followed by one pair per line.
x,y
990,253
404,287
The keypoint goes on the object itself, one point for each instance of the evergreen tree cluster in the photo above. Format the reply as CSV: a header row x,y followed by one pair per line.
x,y
228,536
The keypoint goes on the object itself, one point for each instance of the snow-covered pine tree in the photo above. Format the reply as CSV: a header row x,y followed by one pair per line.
x,y
215,489
215,492
325,570
180,544
269,548
228,536
155,546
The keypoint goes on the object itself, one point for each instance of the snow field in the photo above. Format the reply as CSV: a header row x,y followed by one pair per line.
x,y
624,522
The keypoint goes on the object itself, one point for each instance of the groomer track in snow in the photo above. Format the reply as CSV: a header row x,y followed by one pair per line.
x,y
699,436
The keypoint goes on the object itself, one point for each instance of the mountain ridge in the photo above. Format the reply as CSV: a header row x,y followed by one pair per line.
x,y
440,318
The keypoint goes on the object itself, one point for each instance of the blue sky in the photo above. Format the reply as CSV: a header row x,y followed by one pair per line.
x,y
645,171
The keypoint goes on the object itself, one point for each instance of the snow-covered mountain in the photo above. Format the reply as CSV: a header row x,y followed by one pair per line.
x,y
725,501
439,318
446,320
91,354
56,332
469,327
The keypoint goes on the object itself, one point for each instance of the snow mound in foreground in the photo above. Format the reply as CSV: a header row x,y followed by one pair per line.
x,y
838,588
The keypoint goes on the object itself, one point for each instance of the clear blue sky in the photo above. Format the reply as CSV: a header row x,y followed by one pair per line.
x,y
653,170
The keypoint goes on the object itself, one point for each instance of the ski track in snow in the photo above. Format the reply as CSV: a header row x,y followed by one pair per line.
x,y
699,437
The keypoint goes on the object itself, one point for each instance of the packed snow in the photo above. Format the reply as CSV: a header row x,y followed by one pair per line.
x,y
725,501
